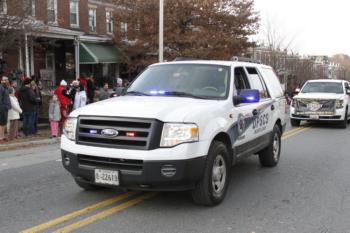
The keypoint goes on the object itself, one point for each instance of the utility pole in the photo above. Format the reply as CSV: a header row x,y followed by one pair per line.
x,y
161,30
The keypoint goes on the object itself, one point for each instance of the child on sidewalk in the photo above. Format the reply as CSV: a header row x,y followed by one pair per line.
x,y
13,115
54,115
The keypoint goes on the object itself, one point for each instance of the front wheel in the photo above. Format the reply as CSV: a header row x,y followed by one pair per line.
x,y
344,123
211,189
295,123
269,157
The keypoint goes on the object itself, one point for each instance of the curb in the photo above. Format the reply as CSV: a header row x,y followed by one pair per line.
x,y
35,143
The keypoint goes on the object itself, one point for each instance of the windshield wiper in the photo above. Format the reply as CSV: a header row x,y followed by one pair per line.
x,y
183,94
137,93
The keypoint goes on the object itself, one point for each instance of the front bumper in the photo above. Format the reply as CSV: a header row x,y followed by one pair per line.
x,y
148,176
337,116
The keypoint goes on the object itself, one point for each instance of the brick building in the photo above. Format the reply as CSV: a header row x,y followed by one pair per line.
x,y
71,37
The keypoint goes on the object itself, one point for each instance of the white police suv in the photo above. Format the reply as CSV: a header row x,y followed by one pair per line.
x,y
322,100
179,126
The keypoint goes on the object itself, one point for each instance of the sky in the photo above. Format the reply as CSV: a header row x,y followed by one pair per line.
x,y
314,27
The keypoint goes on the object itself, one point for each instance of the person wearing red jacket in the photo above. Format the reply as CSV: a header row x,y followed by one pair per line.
x,y
63,98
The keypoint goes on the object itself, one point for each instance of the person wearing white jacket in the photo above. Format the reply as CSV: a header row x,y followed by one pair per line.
x,y
80,97
13,115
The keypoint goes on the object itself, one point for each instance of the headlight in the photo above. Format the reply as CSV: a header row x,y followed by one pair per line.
x,y
339,104
69,128
174,134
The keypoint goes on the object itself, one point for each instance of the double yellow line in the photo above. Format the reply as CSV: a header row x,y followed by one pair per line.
x,y
135,197
294,132
91,208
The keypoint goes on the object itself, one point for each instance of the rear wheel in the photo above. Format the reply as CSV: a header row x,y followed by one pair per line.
x,y
295,122
269,157
211,189
86,186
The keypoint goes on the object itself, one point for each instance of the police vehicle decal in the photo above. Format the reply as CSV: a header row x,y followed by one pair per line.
x,y
258,123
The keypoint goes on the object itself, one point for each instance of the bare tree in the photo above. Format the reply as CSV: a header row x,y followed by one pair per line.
x,y
213,29
14,22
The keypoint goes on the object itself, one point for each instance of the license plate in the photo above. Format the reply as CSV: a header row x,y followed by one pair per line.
x,y
314,117
106,177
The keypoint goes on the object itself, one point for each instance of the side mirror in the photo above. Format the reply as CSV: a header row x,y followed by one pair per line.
x,y
297,91
247,96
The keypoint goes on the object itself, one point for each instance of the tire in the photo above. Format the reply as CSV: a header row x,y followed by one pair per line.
x,y
269,157
86,186
295,123
344,123
207,191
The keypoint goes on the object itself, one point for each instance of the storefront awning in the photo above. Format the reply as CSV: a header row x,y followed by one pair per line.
x,y
96,53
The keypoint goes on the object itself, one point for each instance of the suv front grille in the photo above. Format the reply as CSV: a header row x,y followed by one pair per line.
x,y
131,133
327,106
112,163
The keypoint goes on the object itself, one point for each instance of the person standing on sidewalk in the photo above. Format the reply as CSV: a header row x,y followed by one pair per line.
x,y
39,102
80,98
63,97
13,115
5,106
91,88
104,94
54,116
28,104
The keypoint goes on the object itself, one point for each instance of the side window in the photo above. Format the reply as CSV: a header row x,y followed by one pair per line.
x,y
347,86
241,80
257,83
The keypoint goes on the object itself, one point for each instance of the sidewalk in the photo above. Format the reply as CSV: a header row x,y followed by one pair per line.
x,y
43,138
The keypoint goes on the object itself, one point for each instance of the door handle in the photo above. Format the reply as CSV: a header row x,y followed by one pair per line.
x,y
255,112
272,107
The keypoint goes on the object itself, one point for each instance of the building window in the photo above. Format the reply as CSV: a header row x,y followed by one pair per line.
x,y
29,8
92,20
32,7
3,7
74,12
52,10
109,21
138,26
124,27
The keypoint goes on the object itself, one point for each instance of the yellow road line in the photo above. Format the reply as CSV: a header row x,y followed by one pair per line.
x,y
105,213
80,212
294,130
118,208
295,133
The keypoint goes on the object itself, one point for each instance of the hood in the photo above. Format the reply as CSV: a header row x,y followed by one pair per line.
x,y
319,96
167,109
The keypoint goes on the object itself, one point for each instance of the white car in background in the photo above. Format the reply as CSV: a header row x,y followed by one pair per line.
x,y
322,100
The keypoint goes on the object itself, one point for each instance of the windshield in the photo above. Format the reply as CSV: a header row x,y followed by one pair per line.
x,y
323,87
183,80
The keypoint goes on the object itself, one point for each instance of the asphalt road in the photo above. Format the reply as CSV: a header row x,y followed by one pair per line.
x,y
308,192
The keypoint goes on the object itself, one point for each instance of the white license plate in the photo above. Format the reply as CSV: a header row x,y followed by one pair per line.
x,y
314,117
106,177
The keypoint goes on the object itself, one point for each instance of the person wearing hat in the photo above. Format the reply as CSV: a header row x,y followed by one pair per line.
x,y
63,97
5,106
29,106
72,92
80,97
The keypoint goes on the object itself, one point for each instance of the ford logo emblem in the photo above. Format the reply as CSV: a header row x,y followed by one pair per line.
x,y
109,133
